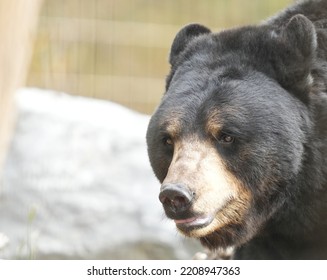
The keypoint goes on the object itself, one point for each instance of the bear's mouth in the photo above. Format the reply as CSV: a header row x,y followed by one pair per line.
x,y
194,222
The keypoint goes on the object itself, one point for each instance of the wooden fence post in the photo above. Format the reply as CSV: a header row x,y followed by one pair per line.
x,y
18,20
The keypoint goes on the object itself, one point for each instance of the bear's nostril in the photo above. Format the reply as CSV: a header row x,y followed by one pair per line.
x,y
163,199
179,201
175,197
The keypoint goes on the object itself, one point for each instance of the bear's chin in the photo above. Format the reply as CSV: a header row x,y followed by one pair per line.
x,y
225,236
215,234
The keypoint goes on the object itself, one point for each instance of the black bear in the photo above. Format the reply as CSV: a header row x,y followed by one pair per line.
x,y
239,140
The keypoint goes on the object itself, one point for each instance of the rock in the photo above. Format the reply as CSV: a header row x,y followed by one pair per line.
x,y
4,240
77,184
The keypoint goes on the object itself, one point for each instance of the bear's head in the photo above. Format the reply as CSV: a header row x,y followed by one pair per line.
x,y
228,139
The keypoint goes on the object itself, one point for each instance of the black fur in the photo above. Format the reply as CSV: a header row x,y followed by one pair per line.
x,y
268,83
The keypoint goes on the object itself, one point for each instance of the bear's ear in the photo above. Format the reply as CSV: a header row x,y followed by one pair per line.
x,y
301,33
183,37
295,51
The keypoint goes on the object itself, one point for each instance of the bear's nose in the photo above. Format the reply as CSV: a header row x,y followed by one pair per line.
x,y
175,197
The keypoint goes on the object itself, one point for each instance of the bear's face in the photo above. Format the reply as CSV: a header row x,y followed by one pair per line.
x,y
227,139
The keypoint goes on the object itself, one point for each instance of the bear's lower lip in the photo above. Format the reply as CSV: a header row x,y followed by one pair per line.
x,y
194,222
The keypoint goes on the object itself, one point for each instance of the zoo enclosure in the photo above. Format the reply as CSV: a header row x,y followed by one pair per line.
x,y
118,50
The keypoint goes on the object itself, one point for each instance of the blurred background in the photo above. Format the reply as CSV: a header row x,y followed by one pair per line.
x,y
78,82
118,50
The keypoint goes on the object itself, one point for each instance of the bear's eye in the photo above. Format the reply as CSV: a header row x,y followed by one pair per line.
x,y
167,141
226,138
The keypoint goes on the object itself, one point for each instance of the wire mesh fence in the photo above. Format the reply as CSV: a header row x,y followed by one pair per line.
x,y
117,50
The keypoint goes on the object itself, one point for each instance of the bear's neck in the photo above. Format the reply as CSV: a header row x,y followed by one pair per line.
x,y
301,223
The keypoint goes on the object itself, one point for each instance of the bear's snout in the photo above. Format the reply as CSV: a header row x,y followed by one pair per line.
x,y
175,198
